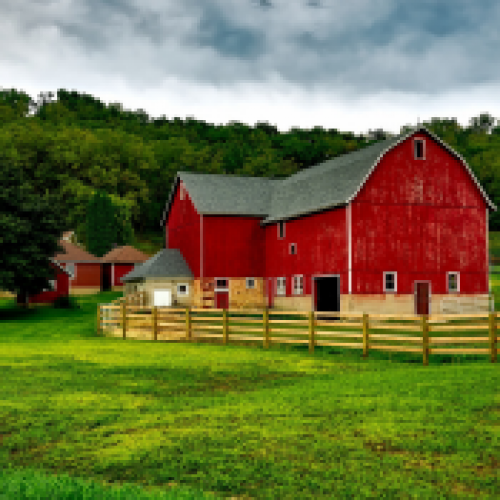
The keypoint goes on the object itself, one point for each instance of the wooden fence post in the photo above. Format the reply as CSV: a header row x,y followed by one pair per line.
x,y
155,323
493,337
188,324
98,319
224,326
124,319
425,339
365,335
311,332
265,326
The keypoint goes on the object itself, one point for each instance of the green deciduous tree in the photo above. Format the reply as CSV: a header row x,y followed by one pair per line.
x,y
30,227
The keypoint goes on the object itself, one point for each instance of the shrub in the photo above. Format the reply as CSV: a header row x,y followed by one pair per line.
x,y
65,302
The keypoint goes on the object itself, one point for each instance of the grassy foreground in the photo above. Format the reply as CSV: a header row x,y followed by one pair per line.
x,y
91,417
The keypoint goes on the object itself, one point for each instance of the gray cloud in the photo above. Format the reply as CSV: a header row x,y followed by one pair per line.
x,y
349,50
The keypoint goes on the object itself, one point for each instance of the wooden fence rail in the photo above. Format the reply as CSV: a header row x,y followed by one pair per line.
x,y
315,328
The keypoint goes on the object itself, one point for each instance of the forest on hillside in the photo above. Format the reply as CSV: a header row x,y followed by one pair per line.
x,y
72,144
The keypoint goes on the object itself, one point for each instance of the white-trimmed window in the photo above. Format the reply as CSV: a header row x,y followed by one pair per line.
x,y
390,281
281,230
182,289
71,268
280,286
419,149
250,283
52,286
221,283
293,248
298,285
453,282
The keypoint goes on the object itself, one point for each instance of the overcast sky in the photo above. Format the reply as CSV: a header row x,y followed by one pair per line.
x,y
352,65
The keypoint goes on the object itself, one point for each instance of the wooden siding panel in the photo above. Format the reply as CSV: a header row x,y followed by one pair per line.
x,y
420,218
183,230
322,247
121,270
233,247
87,275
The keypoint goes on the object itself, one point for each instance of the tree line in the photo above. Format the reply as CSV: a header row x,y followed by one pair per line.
x,y
63,155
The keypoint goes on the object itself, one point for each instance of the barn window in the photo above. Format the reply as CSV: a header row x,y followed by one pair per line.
x,y
293,248
250,282
222,283
298,285
453,282
281,286
390,281
281,230
419,149
182,289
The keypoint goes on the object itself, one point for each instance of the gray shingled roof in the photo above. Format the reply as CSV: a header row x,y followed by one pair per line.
x,y
167,263
331,183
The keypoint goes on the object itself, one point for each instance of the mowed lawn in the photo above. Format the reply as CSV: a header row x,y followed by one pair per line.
x,y
184,420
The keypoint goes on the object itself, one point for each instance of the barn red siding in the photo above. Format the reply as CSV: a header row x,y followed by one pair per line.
x,y
121,270
61,288
422,219
87,275
183,231
321,241
227,237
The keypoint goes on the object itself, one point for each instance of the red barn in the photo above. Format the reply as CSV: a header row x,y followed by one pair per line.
x,y
84,267
398,226
58,287
117,263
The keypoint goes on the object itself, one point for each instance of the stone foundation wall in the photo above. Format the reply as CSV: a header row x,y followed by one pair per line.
x,y
241,297
83,290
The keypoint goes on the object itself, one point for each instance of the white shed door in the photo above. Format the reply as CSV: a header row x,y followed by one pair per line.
x,y
162,298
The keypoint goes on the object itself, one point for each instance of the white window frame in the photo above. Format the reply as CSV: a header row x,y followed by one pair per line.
x,y
395,281
448,281
281,286
253,283
221,289
71,270
182,294
298,284
281,226
415,149
294,246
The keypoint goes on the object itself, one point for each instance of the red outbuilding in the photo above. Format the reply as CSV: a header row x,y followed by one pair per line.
x,y
400,226
85,268
58,287
117,263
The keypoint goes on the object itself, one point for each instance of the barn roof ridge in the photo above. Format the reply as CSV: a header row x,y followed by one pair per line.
x,y
305,192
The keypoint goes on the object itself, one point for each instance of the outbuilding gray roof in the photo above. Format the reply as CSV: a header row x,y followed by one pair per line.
x,y
167,263
334,182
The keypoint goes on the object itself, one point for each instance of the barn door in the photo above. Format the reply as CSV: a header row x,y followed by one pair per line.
x,y
270,293
222,300
422,295
106,277
327,294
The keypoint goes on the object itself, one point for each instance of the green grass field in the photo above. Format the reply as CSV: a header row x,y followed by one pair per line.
x,y
83,416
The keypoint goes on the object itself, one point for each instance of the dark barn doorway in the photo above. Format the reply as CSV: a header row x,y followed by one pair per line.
x,y
106,277
327,295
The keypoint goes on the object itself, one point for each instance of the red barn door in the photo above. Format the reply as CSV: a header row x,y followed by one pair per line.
x,y
422,296
222,300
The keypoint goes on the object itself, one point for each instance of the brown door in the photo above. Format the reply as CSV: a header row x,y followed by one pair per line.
x,y
221,300
270,293
422,297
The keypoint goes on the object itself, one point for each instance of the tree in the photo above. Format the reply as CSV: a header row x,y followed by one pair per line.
x,y
30,227
101,231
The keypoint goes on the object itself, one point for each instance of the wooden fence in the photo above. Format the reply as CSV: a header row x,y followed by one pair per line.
x,y
189,324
